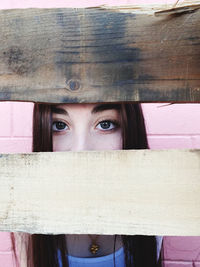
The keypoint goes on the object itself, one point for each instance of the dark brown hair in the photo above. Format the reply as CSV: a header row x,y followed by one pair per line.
x,y
140,251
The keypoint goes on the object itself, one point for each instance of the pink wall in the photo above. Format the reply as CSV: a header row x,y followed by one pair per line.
x,y
9,4
168,126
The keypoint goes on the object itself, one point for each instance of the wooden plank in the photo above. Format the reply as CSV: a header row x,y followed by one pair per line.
x,y
178,10
104,192
99,55
153,7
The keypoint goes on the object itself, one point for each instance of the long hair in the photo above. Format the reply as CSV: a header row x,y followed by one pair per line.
x,y
140,250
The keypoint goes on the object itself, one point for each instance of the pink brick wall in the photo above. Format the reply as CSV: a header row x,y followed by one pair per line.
x,y
15,130
173,126
168,126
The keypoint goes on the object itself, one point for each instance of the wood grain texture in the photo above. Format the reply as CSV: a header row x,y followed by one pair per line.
x,y
152,7
104,192
99,55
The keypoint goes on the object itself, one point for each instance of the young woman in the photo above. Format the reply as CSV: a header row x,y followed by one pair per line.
x,y
76,127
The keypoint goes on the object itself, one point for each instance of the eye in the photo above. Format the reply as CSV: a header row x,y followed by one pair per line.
x,y
108,125
58,126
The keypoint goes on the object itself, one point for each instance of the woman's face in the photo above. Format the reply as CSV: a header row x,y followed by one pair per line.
x,y
79,127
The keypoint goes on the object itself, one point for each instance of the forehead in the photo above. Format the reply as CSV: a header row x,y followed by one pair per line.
x,y
84,107
76,106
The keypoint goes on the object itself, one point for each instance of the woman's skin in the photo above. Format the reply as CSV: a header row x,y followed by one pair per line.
x,y
79,127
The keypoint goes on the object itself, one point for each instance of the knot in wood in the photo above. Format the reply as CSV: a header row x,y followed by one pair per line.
x,y
73,85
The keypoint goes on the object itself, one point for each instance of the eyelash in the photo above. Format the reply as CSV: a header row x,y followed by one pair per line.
x,y
114,122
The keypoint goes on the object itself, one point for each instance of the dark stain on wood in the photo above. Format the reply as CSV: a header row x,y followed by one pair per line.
x,y
5,93
18,61
96,38
71,99
193,38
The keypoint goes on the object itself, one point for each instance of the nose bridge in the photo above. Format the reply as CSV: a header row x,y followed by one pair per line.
x,y
81,140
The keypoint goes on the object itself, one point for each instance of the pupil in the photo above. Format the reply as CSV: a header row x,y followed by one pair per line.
x,y
105,124
60,125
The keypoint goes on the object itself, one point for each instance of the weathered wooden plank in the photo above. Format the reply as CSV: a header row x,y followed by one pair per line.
x,y
106,192
99,55
178,10
152,7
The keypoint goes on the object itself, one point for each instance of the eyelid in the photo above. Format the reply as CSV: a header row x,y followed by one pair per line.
x,y
106,118
116,122
61,120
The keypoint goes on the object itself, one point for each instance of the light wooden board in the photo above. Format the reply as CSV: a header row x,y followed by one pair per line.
x,y
105,192
100,55
151,7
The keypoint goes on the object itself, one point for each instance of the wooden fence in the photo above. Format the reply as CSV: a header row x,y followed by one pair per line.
x,y
101,55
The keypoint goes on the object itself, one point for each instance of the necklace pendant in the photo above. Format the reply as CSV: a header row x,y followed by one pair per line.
x,y
94,248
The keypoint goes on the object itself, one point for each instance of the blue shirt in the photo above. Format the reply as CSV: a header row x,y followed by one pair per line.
x,y
104,261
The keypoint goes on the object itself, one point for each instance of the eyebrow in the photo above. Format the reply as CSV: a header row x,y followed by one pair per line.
x,y
96,109
102,107
59,111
